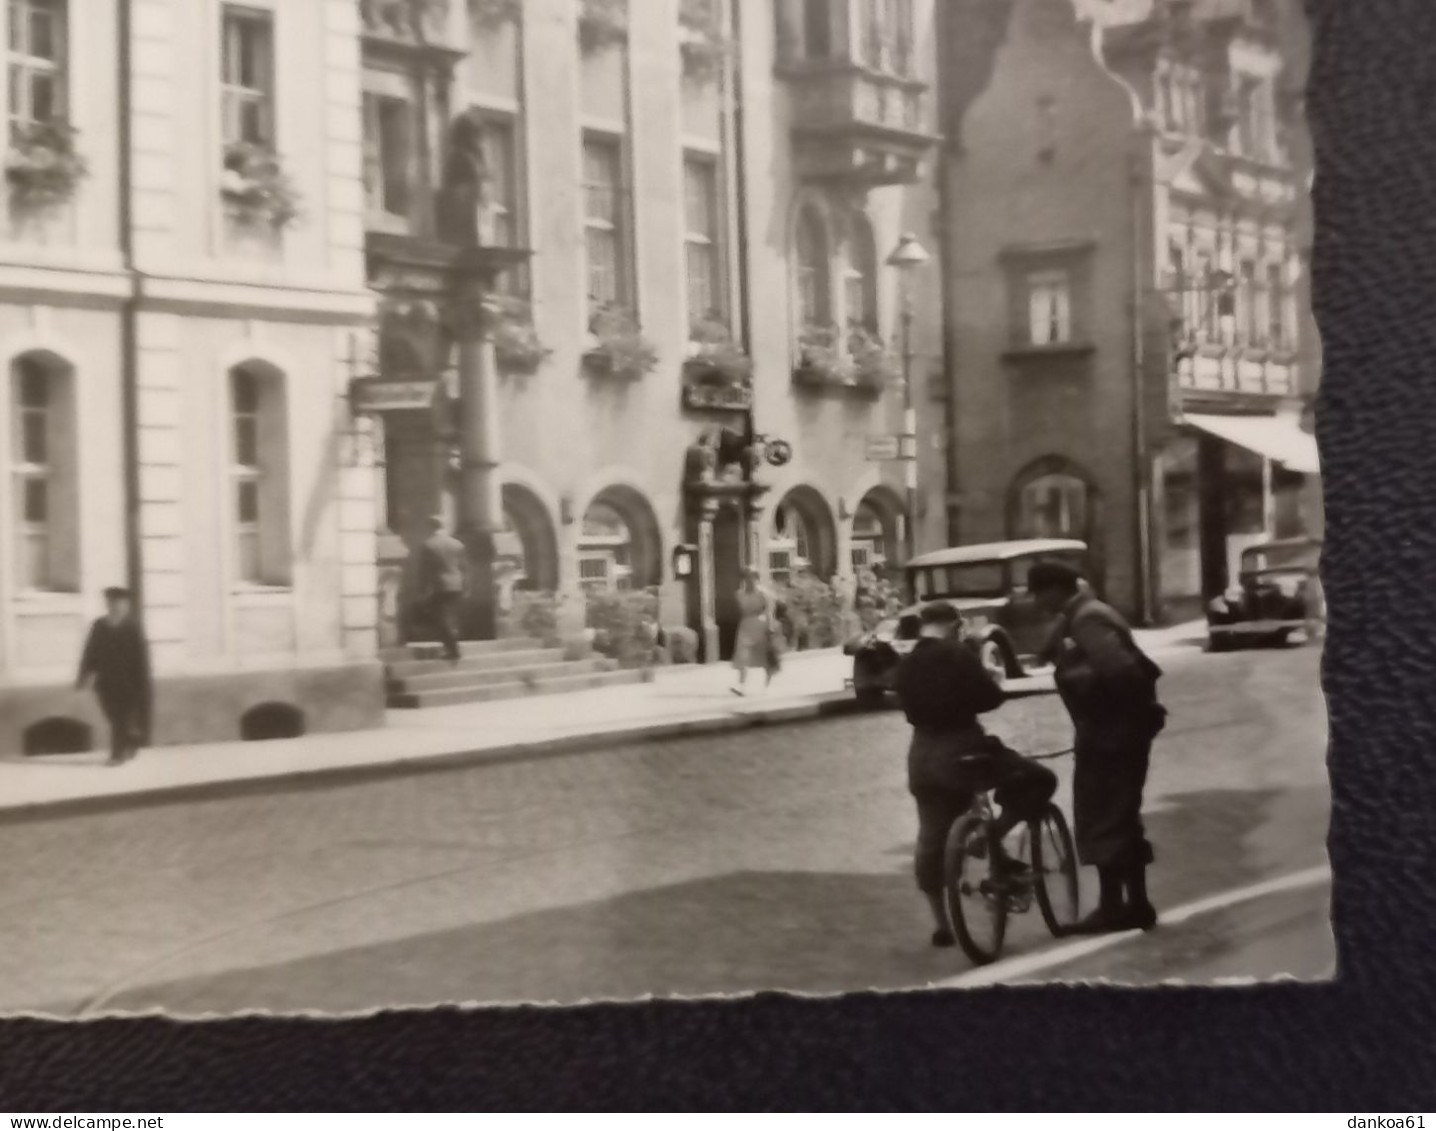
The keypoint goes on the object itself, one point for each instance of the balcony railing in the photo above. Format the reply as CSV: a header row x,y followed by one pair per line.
x,y
856,124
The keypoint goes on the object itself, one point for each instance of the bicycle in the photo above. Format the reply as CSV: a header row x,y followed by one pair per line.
x,y
972,900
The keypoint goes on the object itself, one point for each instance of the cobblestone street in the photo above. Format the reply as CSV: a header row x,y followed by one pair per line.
x,y
776,858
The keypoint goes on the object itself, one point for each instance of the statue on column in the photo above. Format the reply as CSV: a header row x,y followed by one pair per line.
x,y
467,192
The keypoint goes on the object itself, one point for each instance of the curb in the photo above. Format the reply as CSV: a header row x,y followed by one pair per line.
x,y
825,705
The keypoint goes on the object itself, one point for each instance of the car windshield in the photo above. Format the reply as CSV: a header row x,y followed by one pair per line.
x,y
1260,559
972,579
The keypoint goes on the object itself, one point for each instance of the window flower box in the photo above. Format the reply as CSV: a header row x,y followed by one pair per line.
x,y
703,45
43,166
717,373
617,347
874,367
256,190
602,24
821,362
517,346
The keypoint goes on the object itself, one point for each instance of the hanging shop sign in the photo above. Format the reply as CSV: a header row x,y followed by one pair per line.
x,y
372,394
717,398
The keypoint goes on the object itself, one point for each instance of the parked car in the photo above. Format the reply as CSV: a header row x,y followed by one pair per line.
x,y
1277,594
988,584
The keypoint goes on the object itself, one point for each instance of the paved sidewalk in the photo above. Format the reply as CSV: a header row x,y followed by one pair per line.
x,y
678,701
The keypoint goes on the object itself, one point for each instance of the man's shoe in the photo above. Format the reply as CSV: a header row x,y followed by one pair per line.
x,y
1103,921
1142,916
942,937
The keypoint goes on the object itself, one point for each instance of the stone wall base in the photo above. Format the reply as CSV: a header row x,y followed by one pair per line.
x,y
209,708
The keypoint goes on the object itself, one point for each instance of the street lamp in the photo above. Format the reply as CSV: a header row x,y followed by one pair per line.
x,y
907,258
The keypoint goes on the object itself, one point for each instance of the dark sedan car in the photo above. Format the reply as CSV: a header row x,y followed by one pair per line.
x,y
1278,593
988,584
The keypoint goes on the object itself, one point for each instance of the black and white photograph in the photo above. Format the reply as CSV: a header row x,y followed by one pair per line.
x,y
567,501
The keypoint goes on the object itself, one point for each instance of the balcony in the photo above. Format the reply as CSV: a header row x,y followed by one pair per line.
x,y
857,126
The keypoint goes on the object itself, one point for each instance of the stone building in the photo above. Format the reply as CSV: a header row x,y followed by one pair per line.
x,y
181,271
696,334
1127,221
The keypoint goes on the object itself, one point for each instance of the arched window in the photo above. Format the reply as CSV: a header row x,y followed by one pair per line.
x,y
526,555
861,276
801,538
1052,505
605,551
812,266
870,547
790,544
259,475
43,466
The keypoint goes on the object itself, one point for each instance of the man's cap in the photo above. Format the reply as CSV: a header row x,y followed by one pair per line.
x,y
1052,575
436,521
117,593
939,612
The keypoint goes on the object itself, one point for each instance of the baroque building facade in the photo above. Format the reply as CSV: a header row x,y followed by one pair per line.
x,y
1128,223
695,334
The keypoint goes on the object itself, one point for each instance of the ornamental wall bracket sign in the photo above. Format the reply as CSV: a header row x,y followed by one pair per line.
x,y
698,397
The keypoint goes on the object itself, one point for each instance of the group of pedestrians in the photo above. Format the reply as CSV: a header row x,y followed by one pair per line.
x,y
1108,686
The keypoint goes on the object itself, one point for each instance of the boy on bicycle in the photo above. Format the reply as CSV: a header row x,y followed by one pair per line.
x,y
943,688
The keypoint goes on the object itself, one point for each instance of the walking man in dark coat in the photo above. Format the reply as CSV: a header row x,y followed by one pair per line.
x,y
443,564
116,661
943,688
1109,687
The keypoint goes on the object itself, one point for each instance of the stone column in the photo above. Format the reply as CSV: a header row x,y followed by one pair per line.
x,y
707,596
480,506
754,538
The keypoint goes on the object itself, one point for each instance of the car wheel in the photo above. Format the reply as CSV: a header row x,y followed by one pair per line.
x,y
994,659
1218,644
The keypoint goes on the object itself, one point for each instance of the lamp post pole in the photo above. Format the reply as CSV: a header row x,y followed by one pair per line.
x,y
907,257
908,446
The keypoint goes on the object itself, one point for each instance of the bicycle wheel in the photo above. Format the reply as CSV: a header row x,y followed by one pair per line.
x,y
978,913
1054,865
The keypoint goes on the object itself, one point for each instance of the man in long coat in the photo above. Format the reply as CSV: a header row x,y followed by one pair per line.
x,y
1109,687
443,566
116,661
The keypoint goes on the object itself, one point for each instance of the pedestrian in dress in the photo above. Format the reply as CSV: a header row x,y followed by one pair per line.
x,y
116,661
1109,687
754,646
443,565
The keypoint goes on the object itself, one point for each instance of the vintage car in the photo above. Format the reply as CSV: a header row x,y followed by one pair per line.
x,y
988,584
1277,594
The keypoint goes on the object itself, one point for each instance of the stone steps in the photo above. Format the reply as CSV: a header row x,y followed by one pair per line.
x,y
520,673
418,676
513,689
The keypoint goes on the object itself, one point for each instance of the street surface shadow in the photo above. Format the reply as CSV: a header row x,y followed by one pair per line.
x,y
738,933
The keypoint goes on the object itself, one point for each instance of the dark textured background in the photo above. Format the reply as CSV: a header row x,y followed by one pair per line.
x,y
1366,1043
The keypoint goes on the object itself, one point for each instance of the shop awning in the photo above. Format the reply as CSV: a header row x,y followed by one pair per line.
x,y
1277,438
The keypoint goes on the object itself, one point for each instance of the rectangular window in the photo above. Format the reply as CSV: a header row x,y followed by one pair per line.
x,y
32,476
35,62
1247,321
388,154
605,227
1276,331
500,154
899,35
248,476
247,77
702,240
1049,308
1249,123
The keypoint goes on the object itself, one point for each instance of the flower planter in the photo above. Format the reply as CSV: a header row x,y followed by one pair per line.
x,y
617,347
257,192
43,166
